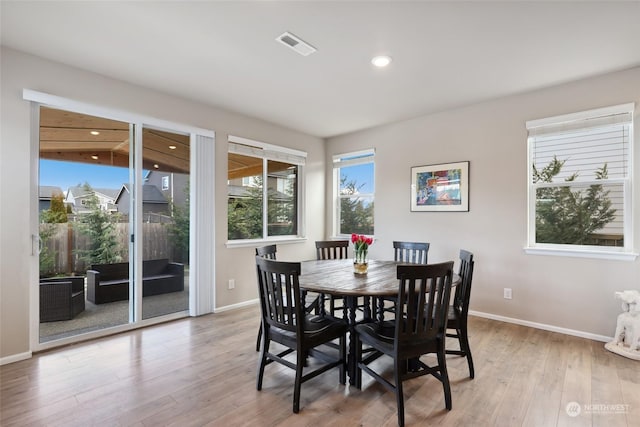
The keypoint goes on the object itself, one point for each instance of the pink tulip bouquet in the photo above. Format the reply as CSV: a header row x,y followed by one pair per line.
x,y
360,247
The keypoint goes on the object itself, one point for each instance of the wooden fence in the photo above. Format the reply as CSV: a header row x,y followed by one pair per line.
x,y
66,241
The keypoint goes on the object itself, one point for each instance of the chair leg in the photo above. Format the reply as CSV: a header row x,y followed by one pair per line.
x,y
263,362
442,365
298,383
399,368
343,356
259,337
464,345
358,359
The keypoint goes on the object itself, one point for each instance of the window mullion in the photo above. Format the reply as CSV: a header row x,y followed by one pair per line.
x,y
265,200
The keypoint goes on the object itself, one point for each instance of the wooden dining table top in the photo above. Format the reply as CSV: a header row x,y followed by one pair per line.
x,y
336,277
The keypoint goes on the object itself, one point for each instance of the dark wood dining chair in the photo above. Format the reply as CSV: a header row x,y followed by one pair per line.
x,y
404,252
418,329
459,310
410,252
285,322
268,251
332,249
311,301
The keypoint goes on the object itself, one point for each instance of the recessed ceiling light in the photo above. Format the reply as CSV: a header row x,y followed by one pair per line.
x,y
94,157
95,132
381,61
172,147
156,166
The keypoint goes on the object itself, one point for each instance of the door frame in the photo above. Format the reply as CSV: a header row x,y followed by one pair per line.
x,y
202,208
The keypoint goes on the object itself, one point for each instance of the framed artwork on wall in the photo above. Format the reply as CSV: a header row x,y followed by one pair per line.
x,y
440,188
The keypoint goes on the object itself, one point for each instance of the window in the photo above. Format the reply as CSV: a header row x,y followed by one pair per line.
x,y
580,181
259,172
354,188
165,183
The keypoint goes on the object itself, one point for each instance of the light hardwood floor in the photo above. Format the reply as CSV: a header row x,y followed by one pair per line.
x,y
201,371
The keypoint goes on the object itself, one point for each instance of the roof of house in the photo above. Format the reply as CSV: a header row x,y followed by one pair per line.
x,y
150,194
46,192
79,191
240,191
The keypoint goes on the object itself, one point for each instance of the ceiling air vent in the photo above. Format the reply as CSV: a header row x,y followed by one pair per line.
x,y
296,43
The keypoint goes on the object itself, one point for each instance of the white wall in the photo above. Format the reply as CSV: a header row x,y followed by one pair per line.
x,y
569,293
20,71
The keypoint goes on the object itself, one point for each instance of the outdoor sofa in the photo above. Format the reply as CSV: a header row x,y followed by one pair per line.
x,y
110,282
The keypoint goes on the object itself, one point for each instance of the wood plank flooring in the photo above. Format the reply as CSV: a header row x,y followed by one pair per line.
x,y
201,372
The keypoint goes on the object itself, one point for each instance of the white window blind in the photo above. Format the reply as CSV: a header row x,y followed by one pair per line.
x,y
584,143
252,148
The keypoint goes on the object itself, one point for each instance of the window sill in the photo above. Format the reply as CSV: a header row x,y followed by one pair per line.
x,y
258,242
581,253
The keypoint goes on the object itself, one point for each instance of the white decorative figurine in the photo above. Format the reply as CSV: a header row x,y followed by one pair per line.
x,y
626,341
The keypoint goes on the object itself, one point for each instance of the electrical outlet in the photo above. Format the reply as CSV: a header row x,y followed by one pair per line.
x,y
507,293
232,283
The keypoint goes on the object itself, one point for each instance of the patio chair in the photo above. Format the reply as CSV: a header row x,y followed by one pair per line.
x,y
61,298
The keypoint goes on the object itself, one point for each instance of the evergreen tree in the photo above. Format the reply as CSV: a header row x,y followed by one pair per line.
x,y
355,216
56,214
245,213
179,228
99,226
564,216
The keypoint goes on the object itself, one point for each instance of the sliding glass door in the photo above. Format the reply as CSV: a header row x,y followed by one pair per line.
x,y
113,223
165,222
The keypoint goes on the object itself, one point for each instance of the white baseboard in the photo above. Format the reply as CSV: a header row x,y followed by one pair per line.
x,y
542,326
236,306
15,358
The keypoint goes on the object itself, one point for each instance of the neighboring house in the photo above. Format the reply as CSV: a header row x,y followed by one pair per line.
x,y
45,194
174,186
239,189
77,197
155,207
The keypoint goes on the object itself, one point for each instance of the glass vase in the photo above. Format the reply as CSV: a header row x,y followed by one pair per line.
x,y
360,265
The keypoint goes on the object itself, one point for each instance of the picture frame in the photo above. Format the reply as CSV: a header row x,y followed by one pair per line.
x,y
441,187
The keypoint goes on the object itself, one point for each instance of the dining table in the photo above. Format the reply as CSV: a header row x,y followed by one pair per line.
x,y
337,278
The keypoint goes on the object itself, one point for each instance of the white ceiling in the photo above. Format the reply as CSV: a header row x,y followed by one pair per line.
x,y
445,54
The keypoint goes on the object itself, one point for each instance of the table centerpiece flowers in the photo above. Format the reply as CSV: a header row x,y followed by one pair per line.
x,y
360,247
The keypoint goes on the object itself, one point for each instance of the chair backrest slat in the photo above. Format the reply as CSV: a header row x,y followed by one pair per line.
x,y
463,290
423,301
331,249
410,252
268,251
280,294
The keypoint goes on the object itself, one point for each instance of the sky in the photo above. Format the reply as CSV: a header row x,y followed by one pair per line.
x,y
69,174
361,174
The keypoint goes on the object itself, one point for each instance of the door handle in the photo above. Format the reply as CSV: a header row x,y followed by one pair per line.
x,y
36,244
